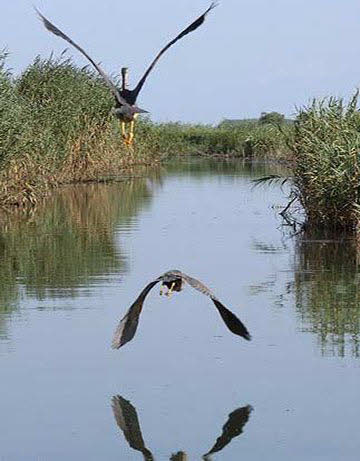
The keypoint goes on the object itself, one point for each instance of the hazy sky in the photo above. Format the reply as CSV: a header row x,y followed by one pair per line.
x,y
249,56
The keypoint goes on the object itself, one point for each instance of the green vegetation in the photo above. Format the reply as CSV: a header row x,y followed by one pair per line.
x,y
266,118
272,117
56,127
245,140
325,149
324,159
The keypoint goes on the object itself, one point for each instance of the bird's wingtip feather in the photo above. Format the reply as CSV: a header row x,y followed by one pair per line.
x,y
214,5
37,12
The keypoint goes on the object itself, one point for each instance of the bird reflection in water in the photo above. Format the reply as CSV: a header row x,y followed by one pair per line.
x,y
126,418
174,280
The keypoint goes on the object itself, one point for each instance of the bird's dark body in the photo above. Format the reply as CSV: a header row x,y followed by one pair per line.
x,y
120,110
123,114
130,96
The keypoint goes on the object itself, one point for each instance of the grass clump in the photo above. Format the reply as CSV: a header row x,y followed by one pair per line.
x,y
13,115
326,163
65,102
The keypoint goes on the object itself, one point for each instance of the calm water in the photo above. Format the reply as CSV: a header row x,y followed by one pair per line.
x,y
185,386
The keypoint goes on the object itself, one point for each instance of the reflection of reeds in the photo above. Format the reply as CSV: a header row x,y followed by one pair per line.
x,y
327,293
222,167
69,242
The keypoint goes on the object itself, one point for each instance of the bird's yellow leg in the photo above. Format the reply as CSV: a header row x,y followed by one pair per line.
x,y
170,291
161,290
123,130
130,137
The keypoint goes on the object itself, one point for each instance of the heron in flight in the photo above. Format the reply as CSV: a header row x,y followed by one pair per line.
x,y
174,280
125,100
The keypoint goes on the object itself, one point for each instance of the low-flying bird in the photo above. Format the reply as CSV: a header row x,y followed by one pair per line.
x,y
174,280
125,100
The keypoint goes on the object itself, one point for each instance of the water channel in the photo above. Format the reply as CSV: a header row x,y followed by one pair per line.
x,y
185,388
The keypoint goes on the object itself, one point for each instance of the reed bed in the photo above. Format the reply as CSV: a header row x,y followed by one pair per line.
x,y
248,140
325,149
56,127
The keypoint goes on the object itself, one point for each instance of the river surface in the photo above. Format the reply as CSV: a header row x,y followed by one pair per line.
x,y
185,388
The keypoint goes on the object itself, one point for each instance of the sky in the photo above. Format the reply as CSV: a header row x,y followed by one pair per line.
x,y
250,56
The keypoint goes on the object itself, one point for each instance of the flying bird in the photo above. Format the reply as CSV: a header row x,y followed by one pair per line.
x,y
125,100
174,280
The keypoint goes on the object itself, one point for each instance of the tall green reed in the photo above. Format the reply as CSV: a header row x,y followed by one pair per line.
x,y
326,163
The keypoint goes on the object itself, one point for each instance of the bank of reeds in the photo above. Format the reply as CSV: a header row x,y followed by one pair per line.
x,y
56,127
325,149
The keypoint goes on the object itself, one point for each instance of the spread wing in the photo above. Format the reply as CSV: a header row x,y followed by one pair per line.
x,y
231,321
126,329
50,27
232,428
127,420
193,26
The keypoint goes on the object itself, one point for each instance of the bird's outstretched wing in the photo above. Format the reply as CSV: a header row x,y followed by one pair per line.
x,y
231,321
126,329
232,428
127,420
193,26
50,27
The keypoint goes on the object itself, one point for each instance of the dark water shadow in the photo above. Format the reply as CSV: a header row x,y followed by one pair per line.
x,y
126,418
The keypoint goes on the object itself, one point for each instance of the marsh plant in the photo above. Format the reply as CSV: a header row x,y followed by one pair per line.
x,y
325,149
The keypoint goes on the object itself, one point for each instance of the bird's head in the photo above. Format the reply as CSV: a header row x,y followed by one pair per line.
x,y
174,285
